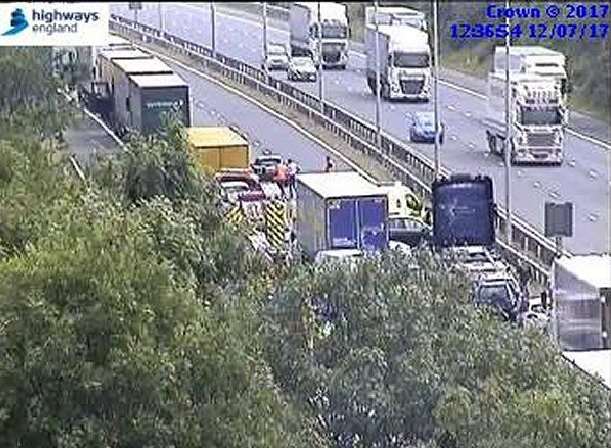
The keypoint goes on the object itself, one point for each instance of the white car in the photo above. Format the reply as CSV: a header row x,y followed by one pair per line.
x,y
399,246
233,190
277,57
349,255
301,68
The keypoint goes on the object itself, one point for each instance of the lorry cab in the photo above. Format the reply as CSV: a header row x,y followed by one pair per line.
x,y
539,116
333,28
405,62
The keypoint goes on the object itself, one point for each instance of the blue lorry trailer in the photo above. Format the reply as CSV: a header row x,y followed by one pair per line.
x,y
340,210
463,211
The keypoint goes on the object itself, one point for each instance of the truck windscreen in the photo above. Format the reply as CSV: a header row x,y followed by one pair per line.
x,y
410,60
334,32
531,116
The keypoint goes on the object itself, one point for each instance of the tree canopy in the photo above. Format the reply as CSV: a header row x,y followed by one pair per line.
x,y
133,315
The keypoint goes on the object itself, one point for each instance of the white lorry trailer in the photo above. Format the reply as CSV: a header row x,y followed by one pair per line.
x,y
537,116
405,62
539,61
397,16
581,288
304,24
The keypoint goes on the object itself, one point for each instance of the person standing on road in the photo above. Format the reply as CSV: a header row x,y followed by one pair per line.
x,y
293,169
329,166
524,276
281,177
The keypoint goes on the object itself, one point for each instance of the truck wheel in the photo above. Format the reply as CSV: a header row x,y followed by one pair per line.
x,y
370,85
342,67
385,91
492,144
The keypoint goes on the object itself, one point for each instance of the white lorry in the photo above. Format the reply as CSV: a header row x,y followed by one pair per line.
x,y
539,61
404,58
538,118
303,23
581,294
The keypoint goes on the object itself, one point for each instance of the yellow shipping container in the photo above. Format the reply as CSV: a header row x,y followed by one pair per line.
x,y
218,148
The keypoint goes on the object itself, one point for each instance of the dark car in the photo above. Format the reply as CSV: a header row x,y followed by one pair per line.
x,y
500,293
422,127
265,166
410,231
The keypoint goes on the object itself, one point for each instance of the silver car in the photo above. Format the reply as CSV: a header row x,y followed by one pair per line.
x,y
301,68
277,57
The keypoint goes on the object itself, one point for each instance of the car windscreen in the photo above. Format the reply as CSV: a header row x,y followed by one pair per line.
x,y
410,60
532,116
268,162
494,295
426,122
276,50
334,32
302,62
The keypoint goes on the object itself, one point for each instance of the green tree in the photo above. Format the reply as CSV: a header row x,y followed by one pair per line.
x,y
392,352
29,103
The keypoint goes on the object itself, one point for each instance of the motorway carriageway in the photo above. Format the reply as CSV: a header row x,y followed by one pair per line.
x,y
582,180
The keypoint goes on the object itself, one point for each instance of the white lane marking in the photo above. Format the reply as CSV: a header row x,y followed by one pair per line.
x,y
450,107
594,141
572,163
593,174
453,138
537,184
467,114
463,89
593,217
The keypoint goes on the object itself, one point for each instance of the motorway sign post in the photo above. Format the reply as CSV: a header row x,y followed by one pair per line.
x,y
320,87
558,222
265,67
507,152
213,28
435,86
378,100
135,6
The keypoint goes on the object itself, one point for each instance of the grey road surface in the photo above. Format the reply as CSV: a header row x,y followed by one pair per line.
x,y
582,180
86,139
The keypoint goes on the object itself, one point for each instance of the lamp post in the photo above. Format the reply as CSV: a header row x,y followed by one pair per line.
x,y
507,152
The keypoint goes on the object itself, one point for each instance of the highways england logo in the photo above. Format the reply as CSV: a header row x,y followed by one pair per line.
x,y
53,24
18,23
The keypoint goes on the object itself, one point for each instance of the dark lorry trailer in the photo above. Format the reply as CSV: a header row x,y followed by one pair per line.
x,y
152,96
463,211
340,210
121,71
99,95
105,60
